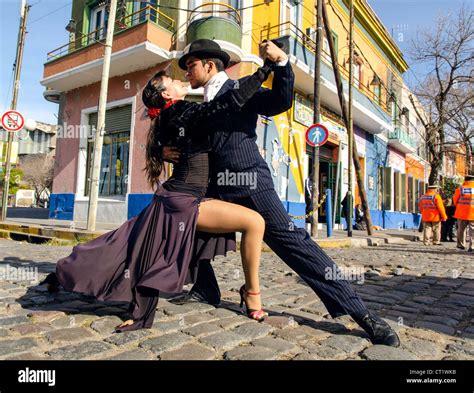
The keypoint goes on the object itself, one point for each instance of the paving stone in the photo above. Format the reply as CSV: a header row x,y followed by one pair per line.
x,y
195,319
189,352
28,356
81,351
174,310
324,351
280,322
165,342
300,334
15,346
125,338
13,320
170,326
229,323
461,348
277,344
223,340
306,356
222,313
73,320
106,325
422,349
203,329
31,328
69,334
441,320
250,353
44,316
134,354
252,330
383,352
346,343
437,327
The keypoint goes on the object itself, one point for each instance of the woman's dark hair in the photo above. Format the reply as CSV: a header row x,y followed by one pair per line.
x,y
152,98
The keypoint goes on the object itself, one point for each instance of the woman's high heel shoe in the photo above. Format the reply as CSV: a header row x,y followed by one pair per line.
x,y
258,315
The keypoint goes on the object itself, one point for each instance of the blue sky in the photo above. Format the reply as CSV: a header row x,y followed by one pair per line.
x,y
46,32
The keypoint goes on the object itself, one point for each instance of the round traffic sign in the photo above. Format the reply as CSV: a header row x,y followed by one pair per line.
x,y
13,121
317,135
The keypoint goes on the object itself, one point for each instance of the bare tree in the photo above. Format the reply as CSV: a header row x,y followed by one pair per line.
x,y
38,172
462,123
448,50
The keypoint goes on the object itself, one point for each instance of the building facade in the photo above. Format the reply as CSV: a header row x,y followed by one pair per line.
x,y
151,35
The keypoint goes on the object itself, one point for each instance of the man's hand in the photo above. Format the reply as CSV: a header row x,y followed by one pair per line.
x,y
171,154
268,50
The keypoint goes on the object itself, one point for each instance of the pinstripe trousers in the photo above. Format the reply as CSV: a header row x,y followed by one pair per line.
x,y
296,248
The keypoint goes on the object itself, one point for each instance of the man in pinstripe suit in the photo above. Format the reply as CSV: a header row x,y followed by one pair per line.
x,y
235,152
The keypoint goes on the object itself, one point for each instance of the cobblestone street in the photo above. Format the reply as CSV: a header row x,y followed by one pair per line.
x,y
425,293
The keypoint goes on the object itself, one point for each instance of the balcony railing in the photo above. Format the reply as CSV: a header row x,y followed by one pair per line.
x,y
215,9
288,28
401,135
146,14
215,21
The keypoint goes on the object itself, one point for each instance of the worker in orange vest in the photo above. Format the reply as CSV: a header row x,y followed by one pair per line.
x,y
464,201
432,213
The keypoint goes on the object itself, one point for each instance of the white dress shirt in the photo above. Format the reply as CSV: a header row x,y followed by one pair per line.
x,y
214,84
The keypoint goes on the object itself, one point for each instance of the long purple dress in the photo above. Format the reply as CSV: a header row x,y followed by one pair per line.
x,y
152,251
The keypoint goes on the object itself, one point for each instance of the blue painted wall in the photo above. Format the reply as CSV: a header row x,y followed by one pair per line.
x,y
61,206
137,202
392,220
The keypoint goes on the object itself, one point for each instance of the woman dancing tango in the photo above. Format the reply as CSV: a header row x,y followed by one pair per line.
x,y
151,252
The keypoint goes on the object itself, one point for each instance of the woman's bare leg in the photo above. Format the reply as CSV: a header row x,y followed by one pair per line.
x,y
217,216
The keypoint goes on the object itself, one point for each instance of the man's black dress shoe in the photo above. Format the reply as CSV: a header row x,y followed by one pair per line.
x,y
378,330
190,297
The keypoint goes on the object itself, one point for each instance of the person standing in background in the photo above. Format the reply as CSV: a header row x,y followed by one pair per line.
x,y
447,227
432,213
464,201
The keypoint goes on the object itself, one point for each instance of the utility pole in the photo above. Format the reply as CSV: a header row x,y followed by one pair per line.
x,y
99,137
317,117
25,8
350,130
342,102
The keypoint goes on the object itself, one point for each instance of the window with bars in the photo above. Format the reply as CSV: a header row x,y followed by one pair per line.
x,y
115,152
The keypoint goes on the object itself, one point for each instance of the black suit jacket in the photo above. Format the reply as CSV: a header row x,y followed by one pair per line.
x,y
237,167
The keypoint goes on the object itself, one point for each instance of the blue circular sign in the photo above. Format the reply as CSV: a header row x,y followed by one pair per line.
x,y
317,135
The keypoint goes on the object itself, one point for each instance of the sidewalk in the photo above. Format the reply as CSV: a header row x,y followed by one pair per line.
x,y
40,230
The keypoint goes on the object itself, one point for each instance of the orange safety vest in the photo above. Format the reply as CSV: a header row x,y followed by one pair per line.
x,y
432,208
464,201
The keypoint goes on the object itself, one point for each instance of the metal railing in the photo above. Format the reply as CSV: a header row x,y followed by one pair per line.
x,y
402,135
220,10
146,14
289,28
